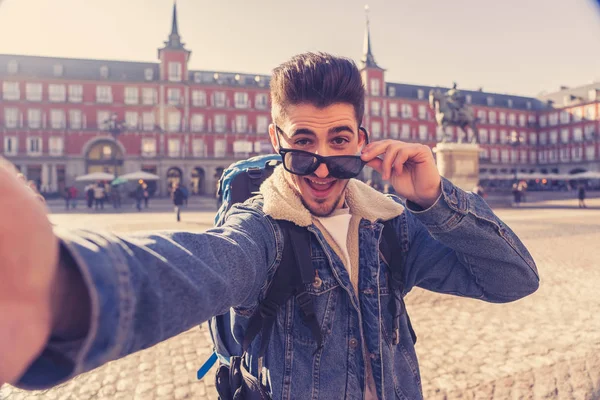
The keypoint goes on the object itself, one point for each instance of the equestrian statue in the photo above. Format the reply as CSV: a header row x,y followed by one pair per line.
x,y
451,110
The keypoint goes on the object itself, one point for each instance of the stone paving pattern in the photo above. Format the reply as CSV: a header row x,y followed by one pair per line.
x,y
546,346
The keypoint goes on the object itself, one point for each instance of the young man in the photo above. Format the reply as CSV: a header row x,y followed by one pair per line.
x,y
84,298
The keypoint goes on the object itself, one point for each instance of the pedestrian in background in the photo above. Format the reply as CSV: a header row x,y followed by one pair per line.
x,y
139,196
99,195
146,194
178,199
89,193
73,192
581,195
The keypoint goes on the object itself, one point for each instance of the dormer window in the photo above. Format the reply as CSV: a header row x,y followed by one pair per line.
x,y
197,77
510,103
58,70
104,71
421,94
149,74
13,67
490,101
392,91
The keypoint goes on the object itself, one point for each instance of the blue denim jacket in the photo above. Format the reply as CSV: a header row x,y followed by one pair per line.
x,y
149,287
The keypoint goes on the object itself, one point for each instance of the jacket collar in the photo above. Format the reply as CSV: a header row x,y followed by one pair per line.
x,y
282,202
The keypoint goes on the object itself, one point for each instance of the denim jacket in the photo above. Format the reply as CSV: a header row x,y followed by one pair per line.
x,y
148,287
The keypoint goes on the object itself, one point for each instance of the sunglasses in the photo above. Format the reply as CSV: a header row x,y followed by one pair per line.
x,y
300,162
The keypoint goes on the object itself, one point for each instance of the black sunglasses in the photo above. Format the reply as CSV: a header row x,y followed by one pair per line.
x,y
300,162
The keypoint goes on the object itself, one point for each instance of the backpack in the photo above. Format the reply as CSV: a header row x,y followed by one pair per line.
x,y
238,183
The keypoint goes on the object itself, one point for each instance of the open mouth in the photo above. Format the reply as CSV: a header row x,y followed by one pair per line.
x,y
320,188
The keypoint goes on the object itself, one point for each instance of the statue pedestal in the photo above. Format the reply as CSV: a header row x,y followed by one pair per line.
x,y
459,163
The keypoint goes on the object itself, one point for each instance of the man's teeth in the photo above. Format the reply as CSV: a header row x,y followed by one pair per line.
x,y
319,183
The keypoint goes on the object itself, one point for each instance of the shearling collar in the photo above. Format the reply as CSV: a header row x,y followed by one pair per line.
x,y
282,202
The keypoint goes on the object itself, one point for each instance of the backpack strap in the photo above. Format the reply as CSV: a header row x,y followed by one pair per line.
x,y
294,272
396,260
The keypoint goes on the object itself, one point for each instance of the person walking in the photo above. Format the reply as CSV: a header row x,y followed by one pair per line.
x,y
67,198
178,200
73,193
89,192
99,196
146,194
85,298
139,196
581,195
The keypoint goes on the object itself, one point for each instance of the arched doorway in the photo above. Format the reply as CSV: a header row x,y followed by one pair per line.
x,y
197,181
174,176
104,156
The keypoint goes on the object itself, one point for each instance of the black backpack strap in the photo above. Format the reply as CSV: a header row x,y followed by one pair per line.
x,y
396,260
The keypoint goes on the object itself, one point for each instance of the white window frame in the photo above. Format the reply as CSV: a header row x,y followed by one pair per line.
x,y
149,96
174,121
261,101
220,150
219,99
376,129
241,100
502,118
11,117
375,87
407,110
132,95
198,98
175,72
394,130
492,117
375,108
148,121
37,122
422,112
198,148
174,97
11,91
262,124
423,133
565,117
57,93
197,123
75,122
174,147
102,117
58,119
220,127
148,147
405,132
56,146
104,94
241,123
75,93
394,110
11,145
132,119
35,146
34,92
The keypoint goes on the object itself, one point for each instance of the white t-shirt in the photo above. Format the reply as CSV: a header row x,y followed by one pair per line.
x,y
337,225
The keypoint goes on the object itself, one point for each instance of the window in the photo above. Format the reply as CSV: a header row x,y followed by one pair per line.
x,y
543,121
262,124
493,136
174,147
149,96
407,111
481,116
102,120
198,148
34,146
405,131
513,156
131,119
241,100
512,119
522,120
504,154
564,117
11,145
552,155
56,146
174,97
11,117
391,91
590,152
492,116
528,105
57,93
564,154
241,123
523,156
11,91
220,148
75,93
532,157
578,114
490,101
104,71
148,121
502,118
33,91
57,119
375,87
564,136
13,67
75,119
375,108
219,99
199,98
588,131
494,155
174,72
394,130
174,121
578,135
531,119
376,130
241,148
393,110
554,137
131,95
590,112
34,118
420,94
103,94
423,133
422,112
503,137
532,138
148,74
197,124
509,102
553,119
58,70
148,147
260,101
483,135
542,157
220,123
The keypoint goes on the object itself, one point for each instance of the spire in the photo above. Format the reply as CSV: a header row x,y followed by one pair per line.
x,y
174,41
368,59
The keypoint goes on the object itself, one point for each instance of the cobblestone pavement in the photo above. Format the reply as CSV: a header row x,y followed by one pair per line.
x,y
546,346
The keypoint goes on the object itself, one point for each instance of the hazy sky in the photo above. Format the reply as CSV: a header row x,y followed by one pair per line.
x,y
510,46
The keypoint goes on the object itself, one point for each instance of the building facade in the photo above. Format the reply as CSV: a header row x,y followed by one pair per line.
x,y
61,118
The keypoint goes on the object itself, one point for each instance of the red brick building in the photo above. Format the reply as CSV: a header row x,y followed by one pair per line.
x,y
59,119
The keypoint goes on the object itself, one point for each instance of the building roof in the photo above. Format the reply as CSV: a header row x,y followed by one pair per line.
x,y
572,96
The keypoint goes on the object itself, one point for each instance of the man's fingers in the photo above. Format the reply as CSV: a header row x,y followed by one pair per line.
x,y
376,164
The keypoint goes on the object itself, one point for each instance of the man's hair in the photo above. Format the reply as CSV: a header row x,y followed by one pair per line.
x,y
319,79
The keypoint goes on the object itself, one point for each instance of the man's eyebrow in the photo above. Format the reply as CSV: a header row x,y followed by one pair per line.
x,y
340,129
303,131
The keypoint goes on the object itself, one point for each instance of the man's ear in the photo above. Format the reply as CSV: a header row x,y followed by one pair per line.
x,y
273,137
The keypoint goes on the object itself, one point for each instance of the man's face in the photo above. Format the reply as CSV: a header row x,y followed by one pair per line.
x,y
328,131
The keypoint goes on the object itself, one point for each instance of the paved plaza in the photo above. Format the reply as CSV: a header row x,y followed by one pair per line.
x,y
546,346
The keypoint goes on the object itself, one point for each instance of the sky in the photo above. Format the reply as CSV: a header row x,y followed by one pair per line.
x,y
524,47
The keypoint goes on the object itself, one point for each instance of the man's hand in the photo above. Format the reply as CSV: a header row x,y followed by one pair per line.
x,y
28,274
410,168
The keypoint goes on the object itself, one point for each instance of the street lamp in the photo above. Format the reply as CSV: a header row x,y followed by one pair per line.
x,y
515,141
115,128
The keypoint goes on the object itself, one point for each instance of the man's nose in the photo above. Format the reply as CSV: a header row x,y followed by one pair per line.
x,y
322,171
